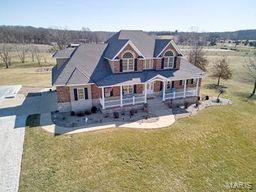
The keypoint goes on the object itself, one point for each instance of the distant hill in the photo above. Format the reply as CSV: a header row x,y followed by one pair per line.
x,y
28,34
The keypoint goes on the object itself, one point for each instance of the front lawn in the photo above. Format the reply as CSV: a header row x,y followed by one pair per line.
x,y
199,153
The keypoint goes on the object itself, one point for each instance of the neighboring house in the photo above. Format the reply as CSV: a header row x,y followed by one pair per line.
x,y
126,70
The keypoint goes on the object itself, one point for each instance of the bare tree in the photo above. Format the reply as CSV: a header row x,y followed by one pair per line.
x,y
32,52
38,55
21,52
250,67
221,70
61,36
5,55
197,55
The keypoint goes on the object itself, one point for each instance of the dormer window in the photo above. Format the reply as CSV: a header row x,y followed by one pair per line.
x,y
168,59
128,62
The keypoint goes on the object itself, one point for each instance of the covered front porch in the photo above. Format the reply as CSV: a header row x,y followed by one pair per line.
x,y
133,94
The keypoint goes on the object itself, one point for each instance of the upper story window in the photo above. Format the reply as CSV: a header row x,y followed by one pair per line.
x,y
148,64
168,59
128,62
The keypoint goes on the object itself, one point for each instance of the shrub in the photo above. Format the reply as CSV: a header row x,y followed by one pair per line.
x,y
80,114
72,113
206,97
186,105
94,109
198,98
87,112
116,115
123,113
131,112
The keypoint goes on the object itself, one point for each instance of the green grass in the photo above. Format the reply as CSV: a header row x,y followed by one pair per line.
x,y
199,153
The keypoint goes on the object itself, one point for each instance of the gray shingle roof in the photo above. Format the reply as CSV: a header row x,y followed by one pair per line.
x,y
145,43
65,53
86,65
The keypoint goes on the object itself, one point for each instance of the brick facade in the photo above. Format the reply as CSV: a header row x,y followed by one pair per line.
x,y
115,66
140,64
96,92
63,94
157,63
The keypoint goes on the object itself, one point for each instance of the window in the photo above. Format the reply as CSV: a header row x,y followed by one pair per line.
x,y
168,59
128,89
128,62
181,82
192,81
80,93
148,63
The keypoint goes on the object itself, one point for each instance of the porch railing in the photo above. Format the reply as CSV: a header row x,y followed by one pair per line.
x,y
180,94
108,103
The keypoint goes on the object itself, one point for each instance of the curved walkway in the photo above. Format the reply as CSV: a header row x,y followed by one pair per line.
x,y
151,123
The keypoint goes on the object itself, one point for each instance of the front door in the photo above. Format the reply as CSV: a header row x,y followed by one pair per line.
x,y
150,88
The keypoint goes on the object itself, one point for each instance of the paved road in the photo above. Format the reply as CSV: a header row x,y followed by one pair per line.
x,y
11,142
13,114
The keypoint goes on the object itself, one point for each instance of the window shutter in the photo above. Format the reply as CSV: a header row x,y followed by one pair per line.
x,y
135,89
85,93
161,85
175,60
135,64
121,65
75,94
162,64
172,84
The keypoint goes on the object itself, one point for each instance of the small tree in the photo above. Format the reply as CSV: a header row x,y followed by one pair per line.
x,y
21,51
251,70
221,70
5,55
38,55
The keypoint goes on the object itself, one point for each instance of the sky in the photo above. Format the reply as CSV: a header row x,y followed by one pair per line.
x,y
148,15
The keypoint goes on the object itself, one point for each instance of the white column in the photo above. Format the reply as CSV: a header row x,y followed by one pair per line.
x,y
133,100
197,84
174,92
145,93
164,91
121,96
103,97
185,88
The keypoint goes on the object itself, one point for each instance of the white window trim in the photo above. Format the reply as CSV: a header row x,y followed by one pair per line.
x,y
128,60
78,94
124,88
169,59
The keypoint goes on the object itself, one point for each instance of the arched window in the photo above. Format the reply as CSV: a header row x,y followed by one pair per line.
x,y
168,59
128,62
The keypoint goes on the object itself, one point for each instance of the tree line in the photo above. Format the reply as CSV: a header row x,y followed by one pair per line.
x,y
33,35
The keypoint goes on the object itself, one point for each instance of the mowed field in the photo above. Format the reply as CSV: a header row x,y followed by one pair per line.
x,y
199,153
30,73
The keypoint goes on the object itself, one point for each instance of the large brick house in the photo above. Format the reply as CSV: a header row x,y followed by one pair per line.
x,y
126,70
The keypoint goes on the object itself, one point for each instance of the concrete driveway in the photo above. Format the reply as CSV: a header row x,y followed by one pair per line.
x,y
13,114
